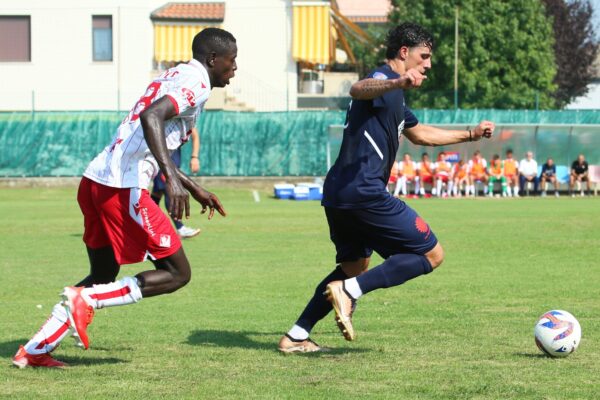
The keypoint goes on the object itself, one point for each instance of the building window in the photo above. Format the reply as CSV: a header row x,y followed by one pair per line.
x,y
102,37
15,38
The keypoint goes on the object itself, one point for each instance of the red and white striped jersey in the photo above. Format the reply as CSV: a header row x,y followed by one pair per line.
x,y
127,162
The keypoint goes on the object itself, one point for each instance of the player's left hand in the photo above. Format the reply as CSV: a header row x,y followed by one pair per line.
x,y
194,165
484,129
209,201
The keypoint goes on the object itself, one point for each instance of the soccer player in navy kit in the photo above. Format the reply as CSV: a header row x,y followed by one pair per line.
x,y
363,217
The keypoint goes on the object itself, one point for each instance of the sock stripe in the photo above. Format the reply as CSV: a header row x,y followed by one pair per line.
x,y
111,295
52,338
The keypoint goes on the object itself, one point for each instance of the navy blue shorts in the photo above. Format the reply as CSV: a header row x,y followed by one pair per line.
x,y
159,180
388,229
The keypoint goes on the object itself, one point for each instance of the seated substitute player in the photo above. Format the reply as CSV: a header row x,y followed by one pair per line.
x,y
549,175
362,216
122,223
579,173
442,175
407,170
460,178
511,173
425,170
496,174
477,171
159,188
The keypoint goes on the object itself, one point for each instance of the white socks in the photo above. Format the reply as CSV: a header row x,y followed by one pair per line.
x,y
351,286
298,333
51,333
54,330
119,293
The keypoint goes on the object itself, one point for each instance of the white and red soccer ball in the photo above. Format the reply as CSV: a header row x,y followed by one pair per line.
x,y
557,333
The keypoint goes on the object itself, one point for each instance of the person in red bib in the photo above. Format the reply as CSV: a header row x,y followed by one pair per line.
x,y
425,171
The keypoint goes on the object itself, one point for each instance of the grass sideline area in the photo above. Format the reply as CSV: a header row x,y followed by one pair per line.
x,y
464,331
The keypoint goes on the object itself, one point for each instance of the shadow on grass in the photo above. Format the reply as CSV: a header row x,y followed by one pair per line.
x,y
9,349
243,340
76,361
531,355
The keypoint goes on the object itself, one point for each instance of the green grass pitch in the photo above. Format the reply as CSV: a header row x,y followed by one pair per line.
x,y
464,331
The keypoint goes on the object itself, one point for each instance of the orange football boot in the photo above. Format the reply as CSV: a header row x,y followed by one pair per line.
x,y
23,359
80,314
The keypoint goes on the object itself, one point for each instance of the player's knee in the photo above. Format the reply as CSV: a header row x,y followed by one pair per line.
x,y
183,278
435,256
355,268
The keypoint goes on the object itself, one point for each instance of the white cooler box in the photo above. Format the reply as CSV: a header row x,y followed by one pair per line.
x,y
284,191
301,193
315,191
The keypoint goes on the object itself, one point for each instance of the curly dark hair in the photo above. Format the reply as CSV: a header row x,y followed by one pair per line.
x,y
406,34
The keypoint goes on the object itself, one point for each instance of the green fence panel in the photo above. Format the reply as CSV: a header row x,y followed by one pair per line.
x,y
277,143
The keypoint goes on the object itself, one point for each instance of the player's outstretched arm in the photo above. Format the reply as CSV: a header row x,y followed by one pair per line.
x,y
153,123
371,88
426,135
208,200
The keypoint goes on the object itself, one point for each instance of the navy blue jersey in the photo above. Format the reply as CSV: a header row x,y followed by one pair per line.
x,y
548,170
359,177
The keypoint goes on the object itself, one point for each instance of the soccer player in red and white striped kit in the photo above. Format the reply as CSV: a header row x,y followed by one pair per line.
x,y
123,225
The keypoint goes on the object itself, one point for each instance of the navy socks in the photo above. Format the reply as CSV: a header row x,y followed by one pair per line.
x,y
394,271
318,307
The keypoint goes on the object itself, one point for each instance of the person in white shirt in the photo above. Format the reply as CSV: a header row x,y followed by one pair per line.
x,y
528,173
122,224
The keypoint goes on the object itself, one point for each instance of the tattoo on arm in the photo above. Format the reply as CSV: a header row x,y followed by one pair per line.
x,y
371,88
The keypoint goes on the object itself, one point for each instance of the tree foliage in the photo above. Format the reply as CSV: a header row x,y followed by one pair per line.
x,y
506,58
575,47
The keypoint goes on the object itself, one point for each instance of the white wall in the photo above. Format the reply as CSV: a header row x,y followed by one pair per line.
x,y
62,75
266,77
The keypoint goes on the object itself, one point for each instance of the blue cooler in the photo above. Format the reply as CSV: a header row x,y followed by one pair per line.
x,y
315,191
301,193
284,191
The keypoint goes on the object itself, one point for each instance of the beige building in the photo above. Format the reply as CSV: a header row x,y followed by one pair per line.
x,y
101,54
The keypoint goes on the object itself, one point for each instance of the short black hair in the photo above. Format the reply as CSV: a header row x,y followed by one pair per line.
x,y
407,34
212,40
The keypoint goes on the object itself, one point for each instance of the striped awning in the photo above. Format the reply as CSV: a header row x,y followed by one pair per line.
x,y
174,42
311,40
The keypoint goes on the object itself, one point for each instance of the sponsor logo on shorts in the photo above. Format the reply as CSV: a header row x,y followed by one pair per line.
x,y
147,223
165,241
422,226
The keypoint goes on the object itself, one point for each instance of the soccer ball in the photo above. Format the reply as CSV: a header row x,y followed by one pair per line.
x,y
557,333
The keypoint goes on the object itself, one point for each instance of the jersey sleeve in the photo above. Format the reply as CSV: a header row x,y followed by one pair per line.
x,y
410,120
186,92
376,74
